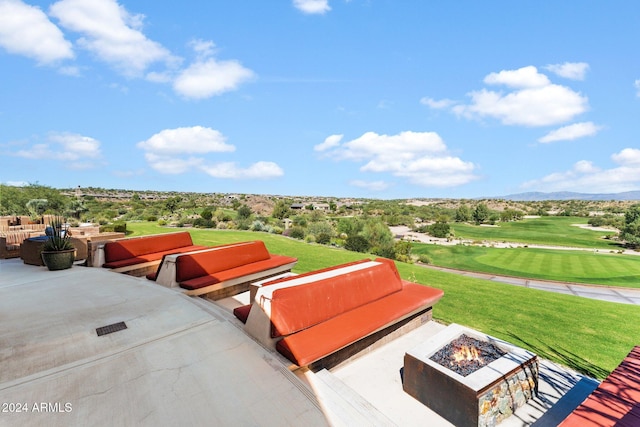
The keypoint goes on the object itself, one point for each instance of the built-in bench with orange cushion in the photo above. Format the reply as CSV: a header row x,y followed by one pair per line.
x,y
209,270
143,253
313,315
616,401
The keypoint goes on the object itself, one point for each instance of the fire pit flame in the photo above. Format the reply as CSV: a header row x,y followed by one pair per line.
x,y
467,353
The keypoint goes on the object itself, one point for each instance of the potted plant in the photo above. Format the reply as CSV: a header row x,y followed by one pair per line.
x,y
58,252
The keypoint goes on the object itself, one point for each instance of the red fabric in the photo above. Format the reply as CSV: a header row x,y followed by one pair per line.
x,y
131,248
616,401
230,256
314,343
154,256
314,272
234,273
242,312
299,307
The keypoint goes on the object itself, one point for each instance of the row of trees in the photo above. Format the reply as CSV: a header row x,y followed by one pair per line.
x,y
366,231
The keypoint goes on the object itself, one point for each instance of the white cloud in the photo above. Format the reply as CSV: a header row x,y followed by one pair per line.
x,y
636,84
569,70
258,170
535,102
167,152
203,48
370,185
112,34
525,77
420,157
312,6
329,142
26,30
172,165
585,177
207,78
71,150
628,157
186,140
437,104
571,132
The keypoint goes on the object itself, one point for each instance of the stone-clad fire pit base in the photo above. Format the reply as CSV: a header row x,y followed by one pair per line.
x,y
483,398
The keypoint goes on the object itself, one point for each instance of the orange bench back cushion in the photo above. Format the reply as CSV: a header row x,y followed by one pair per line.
x,y
209,262
299,307
131,248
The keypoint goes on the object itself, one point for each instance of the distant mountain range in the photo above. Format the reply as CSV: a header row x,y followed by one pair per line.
x,y
567,195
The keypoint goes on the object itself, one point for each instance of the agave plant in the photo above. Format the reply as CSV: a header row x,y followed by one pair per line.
x,y
59,237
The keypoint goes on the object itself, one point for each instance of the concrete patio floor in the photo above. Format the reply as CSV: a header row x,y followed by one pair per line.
x,y
187,361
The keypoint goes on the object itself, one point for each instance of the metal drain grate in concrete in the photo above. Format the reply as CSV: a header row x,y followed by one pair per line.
x,y
109,329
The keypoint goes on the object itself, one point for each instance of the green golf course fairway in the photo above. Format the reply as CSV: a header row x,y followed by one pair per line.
x,y
592,267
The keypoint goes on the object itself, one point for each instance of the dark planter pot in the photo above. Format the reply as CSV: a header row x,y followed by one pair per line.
x,y
59,260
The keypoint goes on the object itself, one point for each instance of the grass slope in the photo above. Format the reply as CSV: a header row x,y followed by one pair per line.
x,y
586,335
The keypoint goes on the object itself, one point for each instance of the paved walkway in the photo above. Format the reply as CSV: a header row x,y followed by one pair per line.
x,y
599,292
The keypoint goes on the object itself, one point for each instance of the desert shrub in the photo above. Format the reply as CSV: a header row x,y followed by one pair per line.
x,y
296,232
275,230
321,228
206,213
151,218
424,259
243,224
203,223
439,229
356,244
162,222
323,238
118,227
310,238
258,226
386,251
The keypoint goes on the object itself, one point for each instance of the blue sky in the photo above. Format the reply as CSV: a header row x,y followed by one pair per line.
x,y
349,98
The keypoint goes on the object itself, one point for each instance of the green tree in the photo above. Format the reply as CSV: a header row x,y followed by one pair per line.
x,y
321,228
172,203
463,214
281,210
206,214
244,212
440,229
76,208
377,234
350,226
37,207
356,244
631,231
481,213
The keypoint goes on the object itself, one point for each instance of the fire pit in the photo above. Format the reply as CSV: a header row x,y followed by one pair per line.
x,y
465,355
470,378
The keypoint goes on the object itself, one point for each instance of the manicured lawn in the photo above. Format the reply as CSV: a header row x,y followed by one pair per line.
x,y
553,231
586,335
599,267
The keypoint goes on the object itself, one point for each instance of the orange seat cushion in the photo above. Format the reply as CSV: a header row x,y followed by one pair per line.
x,y
314,343
199,282
139,247
153,256
299,307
